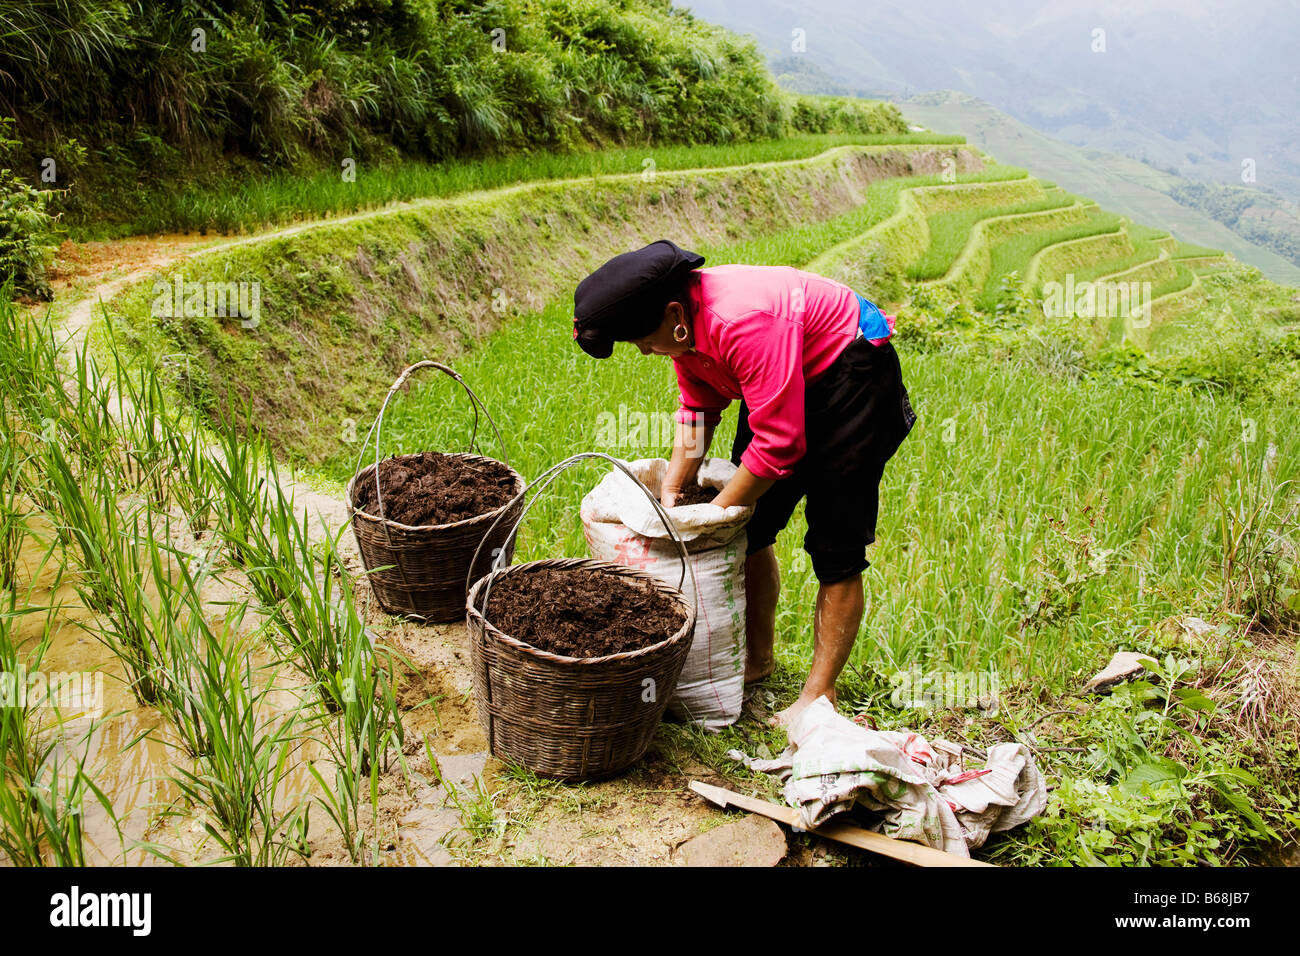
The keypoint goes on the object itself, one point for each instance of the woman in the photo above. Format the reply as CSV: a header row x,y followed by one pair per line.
x,y
823,407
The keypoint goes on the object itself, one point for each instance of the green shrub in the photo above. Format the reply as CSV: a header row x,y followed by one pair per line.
x,y
26,246
428,80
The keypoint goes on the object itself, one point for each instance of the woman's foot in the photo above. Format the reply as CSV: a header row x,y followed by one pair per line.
x,y
787,717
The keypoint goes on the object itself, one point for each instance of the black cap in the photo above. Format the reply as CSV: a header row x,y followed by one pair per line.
x,y
624,299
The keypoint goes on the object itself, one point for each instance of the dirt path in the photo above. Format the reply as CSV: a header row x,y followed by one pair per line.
x,y
95,273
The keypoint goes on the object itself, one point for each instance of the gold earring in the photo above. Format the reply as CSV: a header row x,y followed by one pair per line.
x,y
681,333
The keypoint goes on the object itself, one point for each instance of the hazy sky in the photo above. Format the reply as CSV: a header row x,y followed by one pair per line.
x,y
1196,85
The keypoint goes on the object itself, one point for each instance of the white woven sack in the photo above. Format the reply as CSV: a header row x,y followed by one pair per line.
x,y
622,526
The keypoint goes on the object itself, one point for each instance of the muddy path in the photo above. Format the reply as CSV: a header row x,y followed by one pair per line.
x,y
445,801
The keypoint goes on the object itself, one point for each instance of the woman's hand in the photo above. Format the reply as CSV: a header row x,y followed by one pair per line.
x,y
690,445
668,496
744,488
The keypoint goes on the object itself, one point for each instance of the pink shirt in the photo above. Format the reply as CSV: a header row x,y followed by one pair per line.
x,y
763,333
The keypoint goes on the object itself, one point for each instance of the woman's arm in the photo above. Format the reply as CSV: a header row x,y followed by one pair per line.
x,y
690,445
689,448
744,488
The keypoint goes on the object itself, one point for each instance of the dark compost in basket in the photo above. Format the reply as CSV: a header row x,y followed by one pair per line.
x,y
418,527
575,659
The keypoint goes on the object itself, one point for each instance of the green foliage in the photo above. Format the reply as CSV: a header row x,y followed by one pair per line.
x,y
26,243
1256,214
828,114
270,87
1153,786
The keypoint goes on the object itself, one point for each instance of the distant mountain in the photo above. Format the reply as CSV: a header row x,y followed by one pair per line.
x,y
1198,86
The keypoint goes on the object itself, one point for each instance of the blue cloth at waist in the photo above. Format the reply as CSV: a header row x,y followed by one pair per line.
x,y
871,321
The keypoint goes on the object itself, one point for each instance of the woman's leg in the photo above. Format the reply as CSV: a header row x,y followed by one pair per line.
x,y
861,414
835,628
762,574
762,587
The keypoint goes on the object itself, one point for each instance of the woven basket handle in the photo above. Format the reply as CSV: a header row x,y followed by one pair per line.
x,y
376,427
540,485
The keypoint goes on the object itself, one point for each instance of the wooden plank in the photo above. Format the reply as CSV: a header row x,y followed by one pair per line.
x,y
847,833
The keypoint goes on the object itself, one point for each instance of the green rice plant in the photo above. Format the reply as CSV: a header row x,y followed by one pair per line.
x,y
171,588
325,639
310,608
13,511
236,468
37,408
158,454
112,577
193,488
82,413
247,747
341,800
44,782
479,818
306,593
360,687
102,440
360,723
44,785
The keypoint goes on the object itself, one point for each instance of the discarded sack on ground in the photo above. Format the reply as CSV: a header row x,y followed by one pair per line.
x,y
921,788
622,526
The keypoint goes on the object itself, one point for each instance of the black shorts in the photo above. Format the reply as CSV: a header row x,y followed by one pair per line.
x,y
856,415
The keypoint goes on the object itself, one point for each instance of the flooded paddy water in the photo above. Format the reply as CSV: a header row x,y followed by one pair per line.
x,y
471,808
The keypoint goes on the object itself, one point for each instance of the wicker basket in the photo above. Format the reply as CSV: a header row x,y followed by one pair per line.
x,y
573,718
423,571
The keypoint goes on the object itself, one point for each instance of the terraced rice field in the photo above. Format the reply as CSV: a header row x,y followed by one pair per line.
x,y
1032,523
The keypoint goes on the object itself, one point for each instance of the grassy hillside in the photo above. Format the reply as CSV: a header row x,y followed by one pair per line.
x,y
344,305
